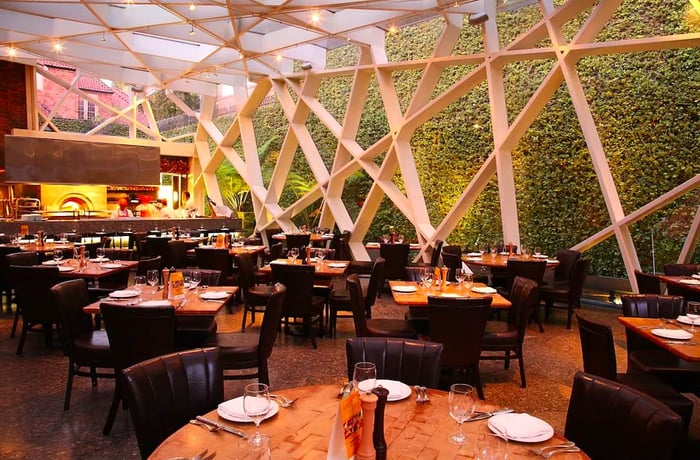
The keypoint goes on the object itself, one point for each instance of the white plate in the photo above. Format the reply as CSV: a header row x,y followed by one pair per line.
x,y
521,427
451,295
214,295
484,290
123,294
541,256
552,261
397,390
50,262
336,265
233,410
404,288
473,254
100,259
696,276
475,259
111,266
504,253
155,303
685,320
63,268
675,334
692,282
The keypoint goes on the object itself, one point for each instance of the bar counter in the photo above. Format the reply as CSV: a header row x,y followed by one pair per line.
x,y
131,224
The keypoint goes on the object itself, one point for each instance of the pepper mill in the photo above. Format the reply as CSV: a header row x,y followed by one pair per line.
x,y
378,437
366,450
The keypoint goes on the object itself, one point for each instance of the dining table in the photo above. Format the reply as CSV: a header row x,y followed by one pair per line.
x,y
666,333
323,269
404,294
412,430
94,269
45,248
313,237
691,283
500,260
376,245
236,249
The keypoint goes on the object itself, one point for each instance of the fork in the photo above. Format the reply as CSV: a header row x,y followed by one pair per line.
x,y
282,400
560,451
424,390
541,450
419,394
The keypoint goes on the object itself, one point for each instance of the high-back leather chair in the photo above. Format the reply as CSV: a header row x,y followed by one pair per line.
x,y
567,293
246,350
413,362
300,300
215,259
33,290
120,254
148,263
26,259
530,269
136,333
567,261
297,240
154,246
209,277
5,286
165,392
458,324
508,336
452,262
647,283
84,346
611,421
175,254
396,257
255,297
598,350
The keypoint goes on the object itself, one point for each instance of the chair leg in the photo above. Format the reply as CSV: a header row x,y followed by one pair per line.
x,y
569,314
15,322
477,381
112,410
22,338
263,373
245,314
521,364
69,386
93,376
310,330
333,318
506,360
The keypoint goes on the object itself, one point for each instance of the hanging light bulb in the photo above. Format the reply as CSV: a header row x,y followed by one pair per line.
x,y
192,6
102,38
57,46
191,32
12,52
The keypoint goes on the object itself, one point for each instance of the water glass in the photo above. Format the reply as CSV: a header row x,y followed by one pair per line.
x,y
460,274
292,254
692,311
491,446
256,405
364,378
152,277
100,254
468,280
57,255
139,283
537,251
427,278
245,450
461,402
320,255
195,277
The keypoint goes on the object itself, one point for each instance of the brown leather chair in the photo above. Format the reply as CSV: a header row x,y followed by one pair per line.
x,y
452,262
175,254
255,297
297,240
84,346
209,277
154,246
598,350
681,269
507,336
135,333
216,259
687,292
647,283
245,350
26,259
458,324
413,362
146,263
397,328
530,269
611,421
567,262
339,299
5,286
396,260
164,393
645,357
568,293
120,254
33,291
300,300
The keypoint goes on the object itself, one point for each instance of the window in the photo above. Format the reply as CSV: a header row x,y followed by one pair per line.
x,y
86,110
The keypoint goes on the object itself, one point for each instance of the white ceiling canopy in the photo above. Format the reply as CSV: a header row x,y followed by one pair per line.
x,y
164,43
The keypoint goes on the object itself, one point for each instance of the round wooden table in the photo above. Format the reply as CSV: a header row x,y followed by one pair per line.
x,y
302,431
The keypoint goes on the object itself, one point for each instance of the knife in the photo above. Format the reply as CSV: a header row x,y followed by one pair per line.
x,y
482,415
221,427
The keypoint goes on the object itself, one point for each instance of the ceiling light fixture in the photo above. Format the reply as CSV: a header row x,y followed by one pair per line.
x,y
192,6
57,46
306,65
12,51
315,17
102,38
191,32
478,18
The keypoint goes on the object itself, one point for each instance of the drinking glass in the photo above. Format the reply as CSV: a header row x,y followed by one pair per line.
x,y
152,277
364,378
692,311
100,254
427,278
537,251
76,253
195,278
385,238
57,255
400,239
491,446
460,274
256,405
468,280
320,255
139,283
461,406
293,253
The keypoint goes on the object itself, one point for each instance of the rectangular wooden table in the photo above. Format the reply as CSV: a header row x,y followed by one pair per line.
x,y
688,350
194,305
95,270
253,250
325,269
420,296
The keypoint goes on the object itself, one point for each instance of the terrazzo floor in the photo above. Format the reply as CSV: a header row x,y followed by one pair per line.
x,y
33,424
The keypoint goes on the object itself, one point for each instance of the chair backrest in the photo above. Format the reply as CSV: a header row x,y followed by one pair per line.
x,y
357,305
452,262
647,283
396,257
578,278
276,250
435,255
452,249
299,281
164,393
120,254
458,324
271,321
567,261
687,292
246,272
376,278
137,333
649,306
609,420
597,348
209,277
70,297
413,362
146,264
155,246
681,269
530,269
176,254
269,232
5,266
341,244
24,258
524,296
213,259
297,240
33,289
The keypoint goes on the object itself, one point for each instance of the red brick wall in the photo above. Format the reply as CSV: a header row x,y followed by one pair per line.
x,y
13,100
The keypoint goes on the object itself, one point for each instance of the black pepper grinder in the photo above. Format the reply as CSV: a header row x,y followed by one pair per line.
x,y
378,435
302,254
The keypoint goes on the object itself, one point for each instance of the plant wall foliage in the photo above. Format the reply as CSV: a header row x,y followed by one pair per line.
x,y
645,107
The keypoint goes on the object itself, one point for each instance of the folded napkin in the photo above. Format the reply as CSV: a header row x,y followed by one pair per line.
x,y
233,407
484,290
519,426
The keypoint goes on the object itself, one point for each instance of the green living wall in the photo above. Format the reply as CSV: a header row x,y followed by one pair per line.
x,y
645,106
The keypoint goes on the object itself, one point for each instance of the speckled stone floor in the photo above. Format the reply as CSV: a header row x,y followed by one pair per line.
x,y
34,425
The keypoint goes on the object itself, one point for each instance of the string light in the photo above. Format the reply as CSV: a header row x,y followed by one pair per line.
x,y
278,57
102,38
192,6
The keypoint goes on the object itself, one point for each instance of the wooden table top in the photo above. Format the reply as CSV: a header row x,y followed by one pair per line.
x,y
376,245
688,350
235,250
314,237
412,431
420,297
322,269
501,260
46,247
194,305
688,282
95,270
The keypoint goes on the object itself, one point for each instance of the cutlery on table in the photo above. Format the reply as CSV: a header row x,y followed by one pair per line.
x,y
424,390
283,400
541,450
549,453
478,415
419,394
221,427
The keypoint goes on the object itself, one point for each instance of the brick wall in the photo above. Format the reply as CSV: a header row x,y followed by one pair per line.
x,y
13,101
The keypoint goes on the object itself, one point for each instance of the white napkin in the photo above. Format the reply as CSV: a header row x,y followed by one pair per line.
x,y
520,426
484,290
234,407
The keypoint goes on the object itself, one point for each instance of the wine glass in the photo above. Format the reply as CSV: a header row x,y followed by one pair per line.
x,y
692,311
468,280
492,446
195,278
400,239
139,283
256,405
364,378
427,278
100,254
460,274
537,251
461,406
152,277
57,255
320,255
293,253
76,253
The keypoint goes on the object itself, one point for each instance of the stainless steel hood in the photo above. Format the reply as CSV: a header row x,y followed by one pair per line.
x,y
59,161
